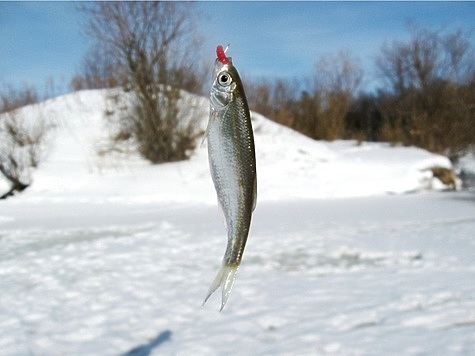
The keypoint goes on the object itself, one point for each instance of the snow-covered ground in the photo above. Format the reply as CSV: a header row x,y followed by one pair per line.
x,y
106,257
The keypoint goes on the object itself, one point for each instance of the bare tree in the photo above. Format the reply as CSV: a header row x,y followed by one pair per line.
x,y
338,73
149,45
274,99
98,70
430,100
335,83
21,139
411,65
316,107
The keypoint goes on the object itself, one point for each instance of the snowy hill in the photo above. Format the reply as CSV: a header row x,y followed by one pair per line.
x,y
290,165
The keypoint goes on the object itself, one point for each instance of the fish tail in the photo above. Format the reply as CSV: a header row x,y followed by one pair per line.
x,y
225,279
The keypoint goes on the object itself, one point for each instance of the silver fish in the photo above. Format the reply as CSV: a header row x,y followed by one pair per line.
x,y
232,162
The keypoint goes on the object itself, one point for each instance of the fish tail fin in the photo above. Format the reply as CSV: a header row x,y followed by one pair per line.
x,y
225,279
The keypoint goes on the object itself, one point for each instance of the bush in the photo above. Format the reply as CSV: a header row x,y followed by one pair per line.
x,y
21,140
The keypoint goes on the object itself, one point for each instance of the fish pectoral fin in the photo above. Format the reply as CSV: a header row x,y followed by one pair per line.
x,y
205,136
224,279
212,116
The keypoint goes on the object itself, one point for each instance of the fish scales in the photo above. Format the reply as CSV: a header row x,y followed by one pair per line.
x,y
232,163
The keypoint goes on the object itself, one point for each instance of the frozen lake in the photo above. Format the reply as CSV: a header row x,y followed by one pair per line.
x,y
384,275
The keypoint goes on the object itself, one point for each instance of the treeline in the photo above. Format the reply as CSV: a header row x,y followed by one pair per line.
x,y
427,97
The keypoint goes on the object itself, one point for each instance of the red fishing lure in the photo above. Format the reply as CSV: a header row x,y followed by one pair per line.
x,y
221,55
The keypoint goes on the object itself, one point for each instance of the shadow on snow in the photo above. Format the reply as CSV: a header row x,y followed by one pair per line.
x,y
146,349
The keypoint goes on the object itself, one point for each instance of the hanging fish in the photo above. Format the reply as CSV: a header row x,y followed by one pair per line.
x,y
232,162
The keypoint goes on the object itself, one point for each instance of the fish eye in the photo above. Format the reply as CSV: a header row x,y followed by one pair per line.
x,y
225,79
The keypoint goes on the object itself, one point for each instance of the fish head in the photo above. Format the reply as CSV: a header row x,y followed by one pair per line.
x,y
223,87
225,81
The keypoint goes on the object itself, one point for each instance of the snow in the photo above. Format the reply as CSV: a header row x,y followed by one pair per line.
x,y
112,255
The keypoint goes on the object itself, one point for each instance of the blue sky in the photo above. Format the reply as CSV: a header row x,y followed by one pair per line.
x,y
41,40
